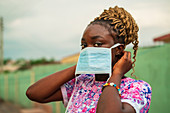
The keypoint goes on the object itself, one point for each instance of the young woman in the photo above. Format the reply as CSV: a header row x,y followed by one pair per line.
x,y
83,93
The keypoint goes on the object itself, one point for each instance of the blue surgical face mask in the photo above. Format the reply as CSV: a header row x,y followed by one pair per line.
x,y
95,60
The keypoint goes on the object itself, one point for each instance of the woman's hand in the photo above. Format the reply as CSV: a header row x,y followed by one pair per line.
x,y
123,65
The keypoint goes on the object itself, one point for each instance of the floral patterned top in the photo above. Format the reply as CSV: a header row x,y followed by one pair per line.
x,y
80,95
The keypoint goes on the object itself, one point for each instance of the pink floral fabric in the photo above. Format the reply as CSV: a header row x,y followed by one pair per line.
x,y
81,95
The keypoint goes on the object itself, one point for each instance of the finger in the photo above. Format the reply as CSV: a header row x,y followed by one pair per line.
x,y
129,55
125,56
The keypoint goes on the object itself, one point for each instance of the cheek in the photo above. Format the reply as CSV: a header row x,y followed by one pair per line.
x,y
110,41
113,55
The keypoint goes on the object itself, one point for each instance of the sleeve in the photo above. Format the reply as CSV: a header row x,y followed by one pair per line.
x,y
67,90
138,95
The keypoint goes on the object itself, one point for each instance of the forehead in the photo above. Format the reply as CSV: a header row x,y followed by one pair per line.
x,y
97,30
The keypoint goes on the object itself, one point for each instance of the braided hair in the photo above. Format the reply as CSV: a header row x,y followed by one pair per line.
x,y
120,21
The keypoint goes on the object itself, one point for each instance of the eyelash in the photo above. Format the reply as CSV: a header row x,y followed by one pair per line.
x,y
99,44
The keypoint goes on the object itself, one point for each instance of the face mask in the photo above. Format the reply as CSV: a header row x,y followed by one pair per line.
x,y
95,60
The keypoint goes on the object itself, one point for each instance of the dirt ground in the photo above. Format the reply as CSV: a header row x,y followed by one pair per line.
x,y
7,107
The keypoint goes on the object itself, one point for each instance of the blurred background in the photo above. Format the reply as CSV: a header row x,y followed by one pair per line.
x,y
40,37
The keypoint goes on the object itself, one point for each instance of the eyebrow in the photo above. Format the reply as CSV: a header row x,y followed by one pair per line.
x,y
93,38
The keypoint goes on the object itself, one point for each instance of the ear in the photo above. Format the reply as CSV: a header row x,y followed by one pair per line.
x,y
120,49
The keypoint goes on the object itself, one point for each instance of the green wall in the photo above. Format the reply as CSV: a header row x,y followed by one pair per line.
x,y
153,66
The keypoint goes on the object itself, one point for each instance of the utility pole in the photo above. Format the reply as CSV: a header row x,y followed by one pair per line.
x,y
1,45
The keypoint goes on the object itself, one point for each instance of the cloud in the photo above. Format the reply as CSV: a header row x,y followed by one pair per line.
x,y
152,14
53,28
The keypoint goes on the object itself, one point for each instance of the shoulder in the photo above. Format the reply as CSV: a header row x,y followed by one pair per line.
x,y
130,83
137,93
138,89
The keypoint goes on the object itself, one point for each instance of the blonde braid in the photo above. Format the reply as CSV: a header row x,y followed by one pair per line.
x,y
126,26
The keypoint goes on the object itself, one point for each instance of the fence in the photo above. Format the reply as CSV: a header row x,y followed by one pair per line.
x,y
13,86
152,66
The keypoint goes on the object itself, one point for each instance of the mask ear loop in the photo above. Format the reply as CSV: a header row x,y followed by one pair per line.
x,y
114,46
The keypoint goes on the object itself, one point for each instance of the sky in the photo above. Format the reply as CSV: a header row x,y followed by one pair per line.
x,y
53,28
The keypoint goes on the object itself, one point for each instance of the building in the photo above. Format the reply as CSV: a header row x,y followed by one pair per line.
x,y
164,38
71,59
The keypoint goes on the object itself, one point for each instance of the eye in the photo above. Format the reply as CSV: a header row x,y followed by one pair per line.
x,y
98,44
83,45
